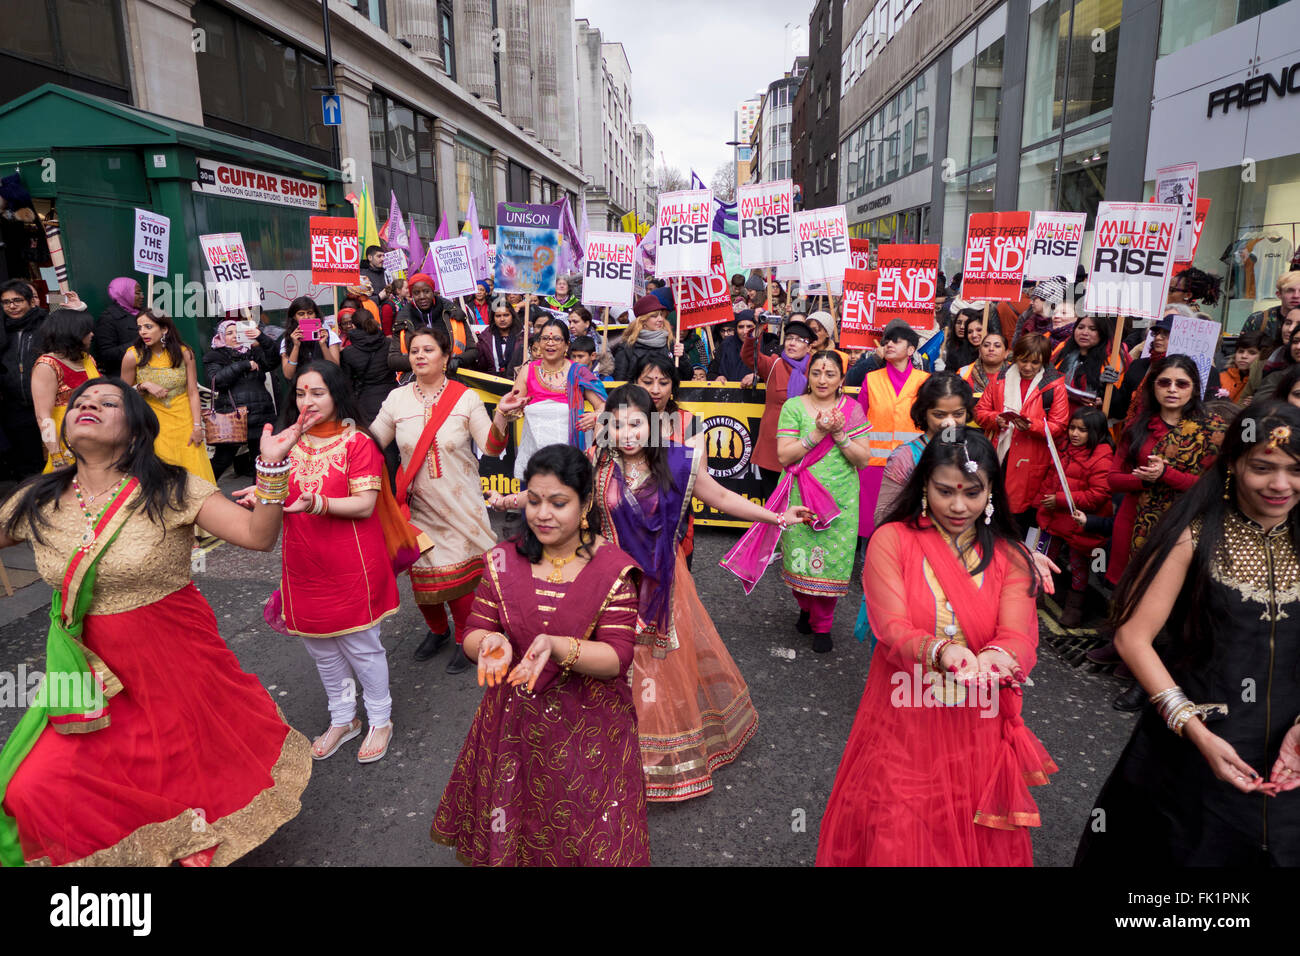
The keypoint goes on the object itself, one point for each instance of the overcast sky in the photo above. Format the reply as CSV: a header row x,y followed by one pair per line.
x,y
693,62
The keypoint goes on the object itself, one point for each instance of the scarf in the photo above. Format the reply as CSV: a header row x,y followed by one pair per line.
x,y
122,291
1011,402
580,381
798,374
654,340
219,340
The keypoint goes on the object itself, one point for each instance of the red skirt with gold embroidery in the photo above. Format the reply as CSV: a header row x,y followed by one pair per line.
x,y
197,758
438,585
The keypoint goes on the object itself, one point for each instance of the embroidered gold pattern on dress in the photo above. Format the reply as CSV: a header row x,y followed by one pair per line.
x,y
1243,565
172,379
368,483
313,458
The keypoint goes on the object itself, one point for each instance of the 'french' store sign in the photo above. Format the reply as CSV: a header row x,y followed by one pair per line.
x,y
1255,91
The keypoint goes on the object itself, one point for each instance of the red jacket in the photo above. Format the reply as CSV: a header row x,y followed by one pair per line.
x,y
1028,461
1088,473
775,374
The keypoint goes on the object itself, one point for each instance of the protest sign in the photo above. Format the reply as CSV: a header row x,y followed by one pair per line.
x,y
528,240
231,285
452,267
1202,210
907,276
151,232
860,254
706,300
335,255
1132,256
822,236
394,265
607,269
1197,339
858,329
1055,239
684,233
1060,473
766,235
1176,186
997,244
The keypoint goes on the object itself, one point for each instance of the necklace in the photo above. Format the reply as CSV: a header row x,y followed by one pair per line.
x,y
84,503
634,472
549,376
557,575
436,395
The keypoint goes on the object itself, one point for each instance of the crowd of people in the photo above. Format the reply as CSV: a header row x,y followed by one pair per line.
x,y
1019,442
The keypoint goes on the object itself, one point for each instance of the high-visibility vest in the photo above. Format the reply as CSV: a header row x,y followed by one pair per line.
x,y
458,339
890,413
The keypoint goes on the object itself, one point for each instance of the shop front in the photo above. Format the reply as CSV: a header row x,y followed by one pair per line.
x,y
1231,102
91,162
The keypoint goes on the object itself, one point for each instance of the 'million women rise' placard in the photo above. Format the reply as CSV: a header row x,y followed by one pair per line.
x,y
684,233
607,269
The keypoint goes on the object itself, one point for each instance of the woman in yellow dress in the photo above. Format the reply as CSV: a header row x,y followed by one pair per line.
x,y
63,365
162,369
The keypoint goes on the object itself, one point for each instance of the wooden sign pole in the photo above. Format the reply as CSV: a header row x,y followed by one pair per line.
x,y
1116,344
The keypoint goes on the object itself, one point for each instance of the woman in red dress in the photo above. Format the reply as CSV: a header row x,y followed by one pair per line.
x,y
338,583
149,745
936,766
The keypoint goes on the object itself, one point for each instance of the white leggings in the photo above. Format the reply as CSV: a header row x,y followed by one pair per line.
x,y
337,658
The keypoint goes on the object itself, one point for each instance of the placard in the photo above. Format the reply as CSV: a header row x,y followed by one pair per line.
x,y
860,254
997,244
684,233
1202,211
706,300
335,254
822,239
1055,240
394,266
232,285
1176,186
151,234
1132,259
858,328
907,277
766,234
1198,340
452,267
528,241
607,269
1060,473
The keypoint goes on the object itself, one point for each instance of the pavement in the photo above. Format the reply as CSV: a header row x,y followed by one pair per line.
x,y
765,808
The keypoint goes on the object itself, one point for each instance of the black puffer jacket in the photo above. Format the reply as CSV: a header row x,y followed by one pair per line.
x,y
365,359
22,343
115,332
234,381
626,356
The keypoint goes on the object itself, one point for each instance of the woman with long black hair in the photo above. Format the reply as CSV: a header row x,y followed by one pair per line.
x,y
64,365
1082,360
296,350
498,342
937,766
1218,575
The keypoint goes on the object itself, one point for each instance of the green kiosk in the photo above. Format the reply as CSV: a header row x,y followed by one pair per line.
x,y
95,161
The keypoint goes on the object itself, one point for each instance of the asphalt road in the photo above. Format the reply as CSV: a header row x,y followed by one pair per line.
x,y
766,807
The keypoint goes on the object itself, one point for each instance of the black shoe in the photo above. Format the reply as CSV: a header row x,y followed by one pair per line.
x,y
1130,700
822,644
459,663
804,624
431,645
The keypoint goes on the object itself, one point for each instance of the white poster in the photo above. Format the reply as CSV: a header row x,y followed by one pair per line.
x,y
151,232
766,236
1176,186
452,267
1055,239
1198,340
684,233
607,269
1132,258
822,239
231,285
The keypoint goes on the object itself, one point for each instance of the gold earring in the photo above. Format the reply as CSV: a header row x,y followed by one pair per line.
x,y
924,503
1227,487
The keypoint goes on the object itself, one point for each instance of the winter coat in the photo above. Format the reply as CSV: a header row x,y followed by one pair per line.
x,y
1028,461
486,361
115,332
1088,473
411,317
24,341
626,358
234,381
365,359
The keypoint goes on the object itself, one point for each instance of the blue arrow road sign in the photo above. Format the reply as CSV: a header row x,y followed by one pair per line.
x,y
332,111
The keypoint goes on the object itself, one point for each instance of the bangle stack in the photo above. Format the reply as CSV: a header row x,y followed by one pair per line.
x,y
808,443
781,522
575,650
1175,708
272,481
936,652
320,505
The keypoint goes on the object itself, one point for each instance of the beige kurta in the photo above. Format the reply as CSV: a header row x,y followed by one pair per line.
x,y
446,496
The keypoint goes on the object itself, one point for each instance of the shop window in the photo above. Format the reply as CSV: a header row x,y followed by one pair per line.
x,y
220,80
1049,37
1070,76
1090,90
1039,174
1184,22
1083,172
401,139
474,174
78,38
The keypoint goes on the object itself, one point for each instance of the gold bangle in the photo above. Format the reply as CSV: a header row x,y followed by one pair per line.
x,y
574,650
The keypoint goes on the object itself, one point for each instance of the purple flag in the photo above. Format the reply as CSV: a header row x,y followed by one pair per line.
x,y
478,252
394,231
444,230
570,254
414,249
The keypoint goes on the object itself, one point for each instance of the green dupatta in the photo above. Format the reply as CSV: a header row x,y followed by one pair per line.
x,y
69,666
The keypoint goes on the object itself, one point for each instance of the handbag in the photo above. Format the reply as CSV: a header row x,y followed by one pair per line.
x,y
225,428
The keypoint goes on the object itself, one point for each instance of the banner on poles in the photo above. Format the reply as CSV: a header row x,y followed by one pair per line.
x,y
706,300
907,279
858,328
1055,239
822,236
452,267
335,254
1198,339
766,235
528,241
231,285
607,269
151,233
684,233
1176,186
997,244
1132,259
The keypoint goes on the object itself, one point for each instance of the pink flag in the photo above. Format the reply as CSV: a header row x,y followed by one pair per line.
x,y
478,252
394,231
415,250
444,230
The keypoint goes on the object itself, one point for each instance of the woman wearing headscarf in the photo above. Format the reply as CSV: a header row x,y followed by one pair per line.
x,y
237,364
115,330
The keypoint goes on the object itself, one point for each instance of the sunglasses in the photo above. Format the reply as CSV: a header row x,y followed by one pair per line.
x,y
1178,383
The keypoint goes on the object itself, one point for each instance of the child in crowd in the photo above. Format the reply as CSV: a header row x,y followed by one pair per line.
x,y
1250,345
582,351
1086,459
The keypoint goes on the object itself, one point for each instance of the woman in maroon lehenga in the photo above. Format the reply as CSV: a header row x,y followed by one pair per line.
x,y
936,766
550,773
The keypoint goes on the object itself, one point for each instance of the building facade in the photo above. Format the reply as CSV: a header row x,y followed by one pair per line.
x,y
953,107
645,184
746,119
771,139
608,154
819,151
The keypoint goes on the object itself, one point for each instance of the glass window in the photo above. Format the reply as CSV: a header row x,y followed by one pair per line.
x,y
272,99
220,79
401,139
29,36
447,38
907,147
318,134
88,31
954,224
1038,177
424,146
1049,33
473,173
378,138
1184,22
988,86
1090,90
922,148
1083,172
959,104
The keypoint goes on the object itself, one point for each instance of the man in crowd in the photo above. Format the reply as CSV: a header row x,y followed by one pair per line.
x,y
727,364
373,269
1268,321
